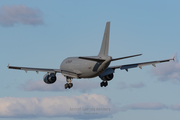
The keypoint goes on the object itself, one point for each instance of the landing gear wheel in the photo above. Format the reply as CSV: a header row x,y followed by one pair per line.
x,y
66,86
70,85
104,83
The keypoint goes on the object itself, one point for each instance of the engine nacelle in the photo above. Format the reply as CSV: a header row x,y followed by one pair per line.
x,y
107,77
49,78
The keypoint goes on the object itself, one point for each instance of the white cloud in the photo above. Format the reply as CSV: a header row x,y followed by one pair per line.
x,y
144,106
91,106
15,14
123,85
168,71
82,106
149,106
175,107
83,85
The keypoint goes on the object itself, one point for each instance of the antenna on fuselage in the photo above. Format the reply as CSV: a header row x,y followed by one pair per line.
x,y
105,43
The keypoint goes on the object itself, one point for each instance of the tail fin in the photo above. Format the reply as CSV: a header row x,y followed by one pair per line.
x,y
105,43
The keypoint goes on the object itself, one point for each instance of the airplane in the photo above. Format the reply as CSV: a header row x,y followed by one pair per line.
x,y
89,66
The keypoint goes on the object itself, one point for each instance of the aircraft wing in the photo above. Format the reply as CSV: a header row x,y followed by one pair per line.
x,y
128,66
34,69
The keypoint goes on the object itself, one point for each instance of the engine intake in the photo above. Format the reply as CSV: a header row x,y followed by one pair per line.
x,y
107,77
49,78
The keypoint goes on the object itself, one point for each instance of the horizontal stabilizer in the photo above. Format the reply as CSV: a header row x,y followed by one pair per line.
x,y
92,59
126,57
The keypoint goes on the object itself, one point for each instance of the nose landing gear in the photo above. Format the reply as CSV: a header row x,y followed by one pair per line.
x,y
104,83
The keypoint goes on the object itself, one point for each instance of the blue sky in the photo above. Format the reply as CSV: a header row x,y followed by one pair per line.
x,y
42,33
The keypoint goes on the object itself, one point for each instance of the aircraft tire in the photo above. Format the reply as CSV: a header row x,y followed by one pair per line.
x,y
70,85
66,85
105,84
102,84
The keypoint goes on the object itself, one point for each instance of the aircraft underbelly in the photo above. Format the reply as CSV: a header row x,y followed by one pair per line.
x,y
83,68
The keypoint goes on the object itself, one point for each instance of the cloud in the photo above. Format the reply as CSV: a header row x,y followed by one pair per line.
x,y
168,71
83,85
15,14
175,107
91,106
82,106
149,106
144,106
123,85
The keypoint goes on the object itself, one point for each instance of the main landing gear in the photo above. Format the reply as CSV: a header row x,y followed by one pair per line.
x,y
104,83
68,84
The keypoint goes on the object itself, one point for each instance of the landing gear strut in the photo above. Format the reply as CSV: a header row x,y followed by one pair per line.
x,y
68,84
104,83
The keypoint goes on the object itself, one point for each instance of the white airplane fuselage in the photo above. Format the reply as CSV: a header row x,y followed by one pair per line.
x,y
85,68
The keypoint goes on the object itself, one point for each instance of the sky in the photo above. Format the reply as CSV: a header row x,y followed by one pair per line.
x,y
43,33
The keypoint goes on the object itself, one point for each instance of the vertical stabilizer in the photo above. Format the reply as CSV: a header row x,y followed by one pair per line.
x,y
105,43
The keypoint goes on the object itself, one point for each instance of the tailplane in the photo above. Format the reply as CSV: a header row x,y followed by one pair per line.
x,y
105,43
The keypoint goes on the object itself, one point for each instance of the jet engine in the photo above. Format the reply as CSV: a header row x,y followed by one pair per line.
x,y
49,78
107,75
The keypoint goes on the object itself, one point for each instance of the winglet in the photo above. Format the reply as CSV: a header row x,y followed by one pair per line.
x,y
173,57
8,66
